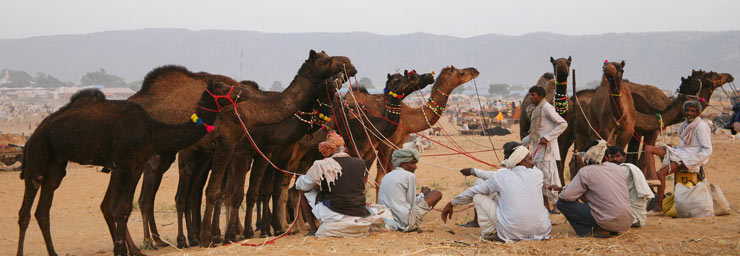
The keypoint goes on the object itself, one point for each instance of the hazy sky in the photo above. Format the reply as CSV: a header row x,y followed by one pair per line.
x,y
461,18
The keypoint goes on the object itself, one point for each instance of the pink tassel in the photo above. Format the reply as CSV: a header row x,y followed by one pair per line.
x,y
209,128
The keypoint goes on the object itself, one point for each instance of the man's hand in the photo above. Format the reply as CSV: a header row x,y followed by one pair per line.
x,y
425,190
554,187
467,171
543,141
447,212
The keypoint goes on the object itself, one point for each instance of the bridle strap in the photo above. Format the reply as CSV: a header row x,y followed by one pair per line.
x,y
215,97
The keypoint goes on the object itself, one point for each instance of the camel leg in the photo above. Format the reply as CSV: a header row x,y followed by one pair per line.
x,y
214,194
255,179
241,167
50,184
564,141
186,167
194,204
123,204
152,179
307,214
279,199
265,192
24,215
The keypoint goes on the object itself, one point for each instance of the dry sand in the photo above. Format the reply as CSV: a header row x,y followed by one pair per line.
x,y
78,227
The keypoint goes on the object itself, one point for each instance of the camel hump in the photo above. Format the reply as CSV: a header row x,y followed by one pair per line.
x,y
87,93
160,71
548,76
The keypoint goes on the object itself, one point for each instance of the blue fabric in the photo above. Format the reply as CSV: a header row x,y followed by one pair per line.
x,y
579,216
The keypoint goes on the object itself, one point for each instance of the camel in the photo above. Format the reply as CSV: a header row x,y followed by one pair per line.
x,y
414,120
556,88
118,135
269,184
168,84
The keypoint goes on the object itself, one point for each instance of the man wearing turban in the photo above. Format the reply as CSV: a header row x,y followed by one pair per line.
x,y
398,192
334,188
508,202
689,156
603,186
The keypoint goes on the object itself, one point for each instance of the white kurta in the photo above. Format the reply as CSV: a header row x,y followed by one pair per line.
x,y
519,212
697,153
639,190
398,192
549,126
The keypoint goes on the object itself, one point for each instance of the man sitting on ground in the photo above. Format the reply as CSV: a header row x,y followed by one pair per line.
x,y
689,156
602,186
509,202
637,186
334,188
398,192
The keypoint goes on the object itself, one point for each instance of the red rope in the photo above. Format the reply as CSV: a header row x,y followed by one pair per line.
x,y
272,240
450,154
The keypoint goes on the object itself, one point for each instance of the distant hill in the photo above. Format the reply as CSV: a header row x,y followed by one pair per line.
x,y
659,58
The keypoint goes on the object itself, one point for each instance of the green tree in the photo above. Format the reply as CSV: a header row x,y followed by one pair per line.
x,y
102,78
47,81
277,86
19,78
498,89
366,82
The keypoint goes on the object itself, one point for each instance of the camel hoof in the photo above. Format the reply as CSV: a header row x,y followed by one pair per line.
x,y
216,239
265,234
248,234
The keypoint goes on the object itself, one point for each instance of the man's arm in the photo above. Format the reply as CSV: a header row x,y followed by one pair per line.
x,y
309,181
485,175
574,190
466,196
560,126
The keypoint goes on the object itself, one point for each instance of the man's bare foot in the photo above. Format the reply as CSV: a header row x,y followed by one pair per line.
x,y
471,224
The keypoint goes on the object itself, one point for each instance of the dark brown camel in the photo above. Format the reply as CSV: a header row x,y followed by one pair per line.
x,y
118,135
175,84
397,87
422,118
555,87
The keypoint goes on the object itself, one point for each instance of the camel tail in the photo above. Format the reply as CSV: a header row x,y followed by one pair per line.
x,y
23,163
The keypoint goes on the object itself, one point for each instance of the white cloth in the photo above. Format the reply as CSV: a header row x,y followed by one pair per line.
x,y
639,191
325,169
485,209
335,224
695,153
549,169
548,124
516,157
398,192
520,214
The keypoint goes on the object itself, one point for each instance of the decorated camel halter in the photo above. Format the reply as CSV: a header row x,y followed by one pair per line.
x,y
560,101
219,108
391,107
198,122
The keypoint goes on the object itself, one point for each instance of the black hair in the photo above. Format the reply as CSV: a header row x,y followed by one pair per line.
x,y
538,90
509,148
613,150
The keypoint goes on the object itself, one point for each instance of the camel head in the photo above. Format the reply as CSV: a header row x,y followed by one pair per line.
x,y
420,81
613,72
561,69
322,66
213,99
701,84
400,85
322,106
450,78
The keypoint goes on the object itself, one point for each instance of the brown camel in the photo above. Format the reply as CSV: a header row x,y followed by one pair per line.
x,y
119,135
422,118
172,84
556,87
397,87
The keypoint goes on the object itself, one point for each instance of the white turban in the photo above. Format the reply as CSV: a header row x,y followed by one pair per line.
x,y
404,156
595,153
516,157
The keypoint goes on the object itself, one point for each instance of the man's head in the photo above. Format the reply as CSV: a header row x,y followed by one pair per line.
x,y
691,109
332,145
595,152
614,154
536,94
516,154
405,158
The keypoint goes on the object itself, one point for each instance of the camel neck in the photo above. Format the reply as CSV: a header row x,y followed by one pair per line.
x,y
424,117
173,137
282,106
673,114
392,104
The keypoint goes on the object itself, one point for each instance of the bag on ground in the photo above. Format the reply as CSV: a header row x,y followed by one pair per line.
x,y
721,205
693,202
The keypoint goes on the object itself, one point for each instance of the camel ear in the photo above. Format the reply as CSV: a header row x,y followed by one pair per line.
x,y
552,60
312,55
683,79
622,64
405,72
389,76
569,59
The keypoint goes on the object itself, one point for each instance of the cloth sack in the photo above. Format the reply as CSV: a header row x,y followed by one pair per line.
x,y
721,205
693,202
669,208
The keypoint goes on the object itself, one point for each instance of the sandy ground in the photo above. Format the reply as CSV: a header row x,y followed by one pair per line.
x,y
78,227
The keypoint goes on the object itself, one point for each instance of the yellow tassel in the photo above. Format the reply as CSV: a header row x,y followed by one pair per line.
x,y
194,117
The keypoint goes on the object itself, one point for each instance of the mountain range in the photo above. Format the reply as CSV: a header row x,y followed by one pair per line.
x,y
657,58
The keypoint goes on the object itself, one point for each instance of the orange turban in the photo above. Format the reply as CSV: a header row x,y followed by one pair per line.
x,y
332,142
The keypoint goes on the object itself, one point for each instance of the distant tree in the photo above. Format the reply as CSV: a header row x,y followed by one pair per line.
x,y
102,78
459,90
47,81
19,78
366,82
593,84
277,86
498,89
135,85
